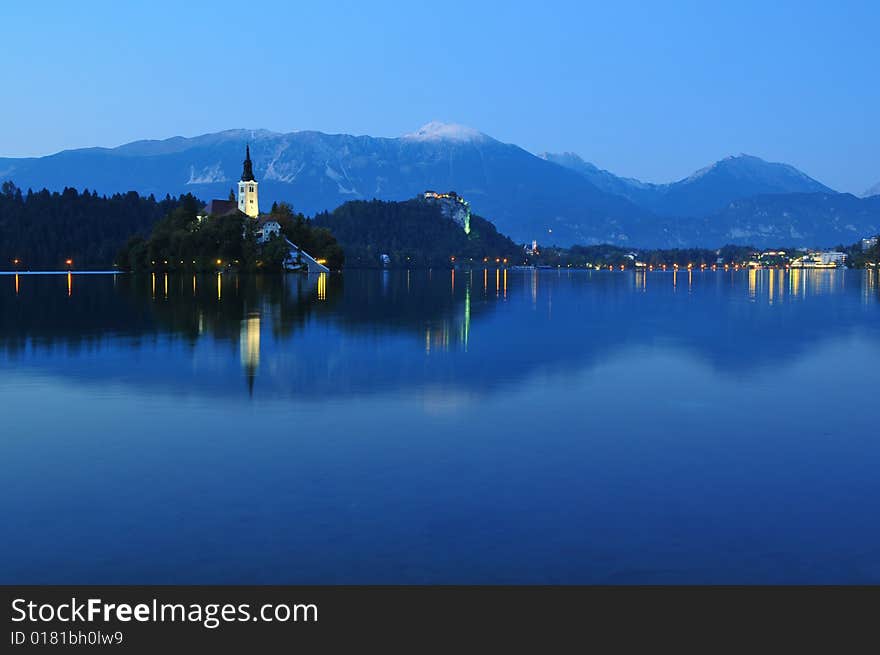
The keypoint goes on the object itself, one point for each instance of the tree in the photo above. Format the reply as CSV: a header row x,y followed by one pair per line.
x,y
43,229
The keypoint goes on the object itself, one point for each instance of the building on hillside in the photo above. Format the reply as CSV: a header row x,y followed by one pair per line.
x,y
773,258
452,206
267,228
869,242
217,208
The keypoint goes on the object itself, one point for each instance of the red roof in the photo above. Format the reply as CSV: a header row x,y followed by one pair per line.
x,y
221,207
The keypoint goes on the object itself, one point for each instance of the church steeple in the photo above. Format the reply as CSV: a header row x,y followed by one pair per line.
x,y
247,175
248,200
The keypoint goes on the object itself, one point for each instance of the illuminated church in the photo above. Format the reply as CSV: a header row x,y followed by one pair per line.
x,y
248,197
267,228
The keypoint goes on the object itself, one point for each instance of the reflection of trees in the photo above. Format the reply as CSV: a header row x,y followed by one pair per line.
x,y
364,331
147,306
42,314
216,305
190,307
437,303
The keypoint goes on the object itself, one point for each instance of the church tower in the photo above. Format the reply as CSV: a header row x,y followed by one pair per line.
x,y
248,202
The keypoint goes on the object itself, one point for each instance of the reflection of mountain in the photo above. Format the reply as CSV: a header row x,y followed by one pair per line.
x,y
469,332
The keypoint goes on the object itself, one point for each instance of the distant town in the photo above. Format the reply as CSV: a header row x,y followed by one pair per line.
x,y
864,254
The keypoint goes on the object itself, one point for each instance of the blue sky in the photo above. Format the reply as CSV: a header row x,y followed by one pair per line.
x,y
652,90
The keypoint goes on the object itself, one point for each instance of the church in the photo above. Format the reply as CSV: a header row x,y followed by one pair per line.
x,y
248,203
248,194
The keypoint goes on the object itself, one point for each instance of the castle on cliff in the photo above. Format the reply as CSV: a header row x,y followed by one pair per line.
x,y
452,206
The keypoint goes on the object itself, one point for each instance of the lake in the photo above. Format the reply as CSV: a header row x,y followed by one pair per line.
x,y
441,427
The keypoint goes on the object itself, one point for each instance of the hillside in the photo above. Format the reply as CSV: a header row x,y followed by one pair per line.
x,y
412,232
797,219
703,193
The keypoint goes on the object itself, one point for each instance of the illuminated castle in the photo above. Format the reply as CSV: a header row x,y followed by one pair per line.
x,y
452,206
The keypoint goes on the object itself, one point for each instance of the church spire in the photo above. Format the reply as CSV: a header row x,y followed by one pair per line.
x,y
248,202
247,175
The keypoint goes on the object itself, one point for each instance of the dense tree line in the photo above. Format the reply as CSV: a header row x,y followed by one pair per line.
x,y
412,233
43,229
183,241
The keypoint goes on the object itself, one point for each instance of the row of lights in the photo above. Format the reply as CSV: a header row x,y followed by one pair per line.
x,y
498,260
17,262
165,261
662,267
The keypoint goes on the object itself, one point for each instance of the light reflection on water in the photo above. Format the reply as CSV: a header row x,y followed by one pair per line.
x,y
442,426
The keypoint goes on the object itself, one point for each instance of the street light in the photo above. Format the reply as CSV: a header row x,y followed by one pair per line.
x,y
16,262
69,263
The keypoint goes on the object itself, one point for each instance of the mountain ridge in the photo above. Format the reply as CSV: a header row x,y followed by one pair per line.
x,y
524,195
704,191
554,199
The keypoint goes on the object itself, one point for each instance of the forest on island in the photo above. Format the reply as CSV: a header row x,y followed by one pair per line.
x,y
182,241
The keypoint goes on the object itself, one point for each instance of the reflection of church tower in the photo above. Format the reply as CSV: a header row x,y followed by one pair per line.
x,y
248,202
250,348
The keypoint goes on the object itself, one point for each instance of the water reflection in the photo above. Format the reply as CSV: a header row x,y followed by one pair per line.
x,y
439,427
250,348
360,333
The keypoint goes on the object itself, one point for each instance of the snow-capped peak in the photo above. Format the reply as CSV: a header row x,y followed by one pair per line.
x,y
741,160
436,131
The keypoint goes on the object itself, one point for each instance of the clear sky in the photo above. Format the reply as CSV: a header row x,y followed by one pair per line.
x,y
652,90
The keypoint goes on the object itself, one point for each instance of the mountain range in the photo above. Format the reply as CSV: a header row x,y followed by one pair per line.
x,y
554,198
704,192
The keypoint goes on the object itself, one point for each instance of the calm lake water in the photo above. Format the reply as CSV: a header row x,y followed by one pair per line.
x,y
440,427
